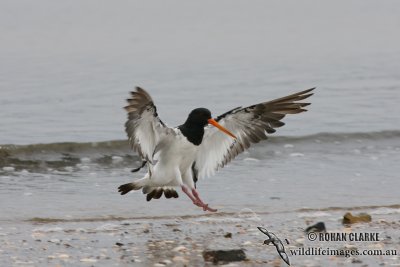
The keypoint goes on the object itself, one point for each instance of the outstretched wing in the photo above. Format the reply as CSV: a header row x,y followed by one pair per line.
x,y
249,125
144,128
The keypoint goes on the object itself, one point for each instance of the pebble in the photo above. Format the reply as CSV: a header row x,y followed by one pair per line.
x,y
37,235
63,256
349,218
88,260
179,259
85,160
55,241
318,227
8,169
355,260
116,159
179,249
24,172
83,167
166,262
228,235
69,169
108,227
224,255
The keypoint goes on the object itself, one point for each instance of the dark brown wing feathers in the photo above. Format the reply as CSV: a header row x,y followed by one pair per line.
x,y
264,118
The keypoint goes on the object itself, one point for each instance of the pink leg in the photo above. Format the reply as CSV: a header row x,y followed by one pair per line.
x,y
187,192
196,199
205,206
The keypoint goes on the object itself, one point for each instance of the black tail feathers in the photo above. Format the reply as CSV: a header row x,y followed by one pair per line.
x,y
157,193
126,188
152,192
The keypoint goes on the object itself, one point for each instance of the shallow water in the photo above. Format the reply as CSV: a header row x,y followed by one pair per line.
x,y
75,181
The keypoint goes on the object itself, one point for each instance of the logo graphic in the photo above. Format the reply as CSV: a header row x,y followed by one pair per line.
x,y
272,238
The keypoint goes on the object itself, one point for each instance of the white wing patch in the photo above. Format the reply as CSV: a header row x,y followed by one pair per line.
x,y
249,125
144,128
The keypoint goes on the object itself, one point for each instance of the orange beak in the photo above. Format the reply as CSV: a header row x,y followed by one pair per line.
x,y
219,126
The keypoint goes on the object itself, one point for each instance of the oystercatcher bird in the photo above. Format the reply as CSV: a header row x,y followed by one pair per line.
x,y
178,157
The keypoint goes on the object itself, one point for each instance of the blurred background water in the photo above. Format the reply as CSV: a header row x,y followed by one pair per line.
x,y
66,68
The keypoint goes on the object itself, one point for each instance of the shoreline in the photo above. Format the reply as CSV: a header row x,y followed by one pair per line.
x,y
180,241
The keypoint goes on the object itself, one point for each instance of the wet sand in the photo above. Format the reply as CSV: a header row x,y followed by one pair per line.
x,y
180,241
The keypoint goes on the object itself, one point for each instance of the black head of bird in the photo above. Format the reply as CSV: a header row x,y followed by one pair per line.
x,y
193,128
198,117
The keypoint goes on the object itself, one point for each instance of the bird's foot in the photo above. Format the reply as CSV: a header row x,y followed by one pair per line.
x,y
194,196
199,201
207,208
204,206
194,200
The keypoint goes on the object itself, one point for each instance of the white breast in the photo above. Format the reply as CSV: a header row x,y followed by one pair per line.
x,y
175,157
180,152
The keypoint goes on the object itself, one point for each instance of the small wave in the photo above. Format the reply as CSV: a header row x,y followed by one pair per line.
x,y
288,141
244,214
67,148
42,220
59,156
65,156
122,145
393,208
